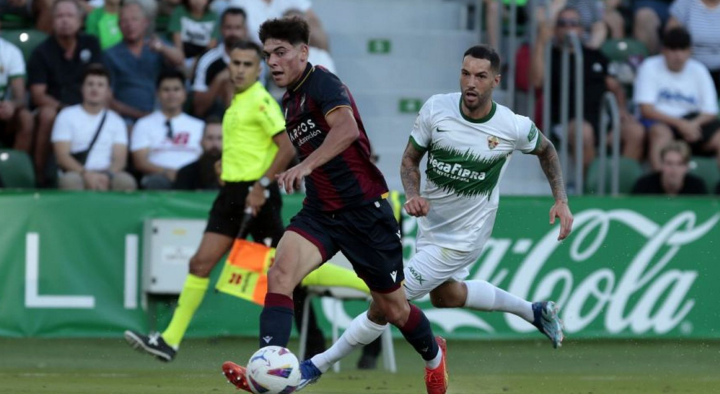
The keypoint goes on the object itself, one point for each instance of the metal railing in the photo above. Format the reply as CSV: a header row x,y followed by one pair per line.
x,y
609,103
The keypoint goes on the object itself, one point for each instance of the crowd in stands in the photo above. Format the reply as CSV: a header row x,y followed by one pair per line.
x,y
130,94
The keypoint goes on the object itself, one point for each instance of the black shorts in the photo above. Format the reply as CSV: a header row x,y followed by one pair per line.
x,y
228,210
369,236
707,131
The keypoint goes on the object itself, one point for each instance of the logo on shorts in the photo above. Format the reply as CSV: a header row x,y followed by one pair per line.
x,y
418,277
393,275
493,142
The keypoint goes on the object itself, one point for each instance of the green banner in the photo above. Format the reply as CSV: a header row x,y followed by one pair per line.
x,y
70,266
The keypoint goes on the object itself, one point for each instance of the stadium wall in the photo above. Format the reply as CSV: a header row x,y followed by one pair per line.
x,y
70,266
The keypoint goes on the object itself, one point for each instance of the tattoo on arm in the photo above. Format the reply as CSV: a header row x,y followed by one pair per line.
x,y
550,163
410,171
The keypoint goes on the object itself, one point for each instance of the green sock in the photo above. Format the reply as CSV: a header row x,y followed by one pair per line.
x,y
191,297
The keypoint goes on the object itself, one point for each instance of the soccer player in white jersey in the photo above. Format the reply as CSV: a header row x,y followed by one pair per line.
x,y
469,140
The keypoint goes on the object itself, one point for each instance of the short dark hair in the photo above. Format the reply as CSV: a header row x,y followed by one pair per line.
x,y
232,11
486,52
170,73
96,70
213,119
677,38
293,30
247,45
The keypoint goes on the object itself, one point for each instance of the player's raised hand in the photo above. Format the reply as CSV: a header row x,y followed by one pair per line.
x,y
561,210
291,179
417,206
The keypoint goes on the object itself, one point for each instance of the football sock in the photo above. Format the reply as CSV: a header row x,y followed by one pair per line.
x,y
276,320
418,333
190,299
435,362
361,332
483,296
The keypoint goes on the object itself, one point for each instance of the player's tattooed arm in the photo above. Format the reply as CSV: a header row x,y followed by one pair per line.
x,y
410,171
550,163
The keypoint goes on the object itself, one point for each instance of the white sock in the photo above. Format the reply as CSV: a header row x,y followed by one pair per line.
x,y
435,362
361,332
483,296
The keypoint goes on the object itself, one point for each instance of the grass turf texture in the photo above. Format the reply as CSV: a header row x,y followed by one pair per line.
x,y
531,367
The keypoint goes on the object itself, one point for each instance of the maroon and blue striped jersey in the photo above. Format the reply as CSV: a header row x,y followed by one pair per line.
x,y
348,180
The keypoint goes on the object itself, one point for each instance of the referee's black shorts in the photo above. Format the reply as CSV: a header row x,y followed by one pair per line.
x,y
228,210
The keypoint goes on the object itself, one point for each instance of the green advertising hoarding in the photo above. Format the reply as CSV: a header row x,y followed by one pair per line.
x,y
70,266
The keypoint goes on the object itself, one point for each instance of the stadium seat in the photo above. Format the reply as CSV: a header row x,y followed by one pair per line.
x,y
707,169
12,21
16,169
25,39
630,171
625,56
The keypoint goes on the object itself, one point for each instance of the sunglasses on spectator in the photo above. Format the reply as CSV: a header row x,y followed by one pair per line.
x,y
568,23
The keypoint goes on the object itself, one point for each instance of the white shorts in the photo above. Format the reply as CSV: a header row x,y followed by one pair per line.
x,y
434,265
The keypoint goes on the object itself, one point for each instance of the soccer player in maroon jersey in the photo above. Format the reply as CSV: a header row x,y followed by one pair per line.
x,y
344,210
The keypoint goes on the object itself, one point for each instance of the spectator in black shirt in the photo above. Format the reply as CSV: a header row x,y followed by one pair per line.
x,y
55,73
673,178
203,174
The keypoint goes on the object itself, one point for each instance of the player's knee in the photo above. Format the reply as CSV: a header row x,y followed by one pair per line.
x,y
396,314
280,279
446,299
200,266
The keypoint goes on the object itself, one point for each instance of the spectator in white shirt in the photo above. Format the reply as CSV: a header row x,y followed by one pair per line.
x,y
167,139
677,99
90,140
16,121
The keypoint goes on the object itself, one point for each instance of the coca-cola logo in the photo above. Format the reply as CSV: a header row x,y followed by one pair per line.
x,y
639,292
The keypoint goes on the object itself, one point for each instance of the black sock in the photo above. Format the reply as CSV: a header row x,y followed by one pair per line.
x,y
276,320
418,333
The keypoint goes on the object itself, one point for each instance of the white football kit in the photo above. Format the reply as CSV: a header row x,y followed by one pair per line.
x,y
466,159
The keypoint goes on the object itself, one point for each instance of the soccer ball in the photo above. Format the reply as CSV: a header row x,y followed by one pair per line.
x,y
273,370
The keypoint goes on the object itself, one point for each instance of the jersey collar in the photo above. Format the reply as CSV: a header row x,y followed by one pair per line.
x,y
480,120
249,90
309,68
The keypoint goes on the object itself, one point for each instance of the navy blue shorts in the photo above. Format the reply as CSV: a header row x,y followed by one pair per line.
x,y
369,236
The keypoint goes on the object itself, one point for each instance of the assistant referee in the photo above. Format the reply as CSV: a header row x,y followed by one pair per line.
x,y
255,149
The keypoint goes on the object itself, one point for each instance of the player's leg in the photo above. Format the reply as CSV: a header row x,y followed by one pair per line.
x,y
216,242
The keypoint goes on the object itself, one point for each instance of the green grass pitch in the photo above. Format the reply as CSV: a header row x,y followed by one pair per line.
x,y
94,366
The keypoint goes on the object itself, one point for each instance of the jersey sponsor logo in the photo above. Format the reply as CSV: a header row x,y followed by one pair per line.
x,y
303,132
493,141
464,173
532,133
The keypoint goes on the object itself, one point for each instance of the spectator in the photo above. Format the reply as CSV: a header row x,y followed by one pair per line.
x,y
649,19
90,140
673,178
258,11
135,64
211,74
194,29
16,122
593,29
596,80
702,19
204,173
103,23
677,99
168,139
55,73
38,10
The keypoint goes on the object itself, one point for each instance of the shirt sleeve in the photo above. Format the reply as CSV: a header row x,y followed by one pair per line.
x,y
645,88
200,76
140,136
680,10
174,26
95,51
421,134
330,93
119,130
270,117
16,63
528,135
91,23
37,70
62,130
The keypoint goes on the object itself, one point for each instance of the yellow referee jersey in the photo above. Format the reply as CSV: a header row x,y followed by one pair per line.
x,y
253,118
